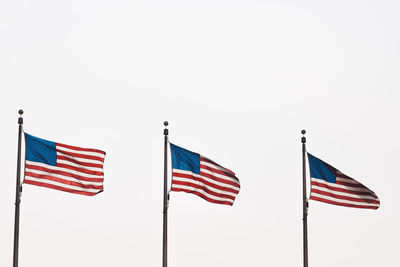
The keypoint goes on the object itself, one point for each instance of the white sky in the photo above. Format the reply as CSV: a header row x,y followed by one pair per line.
x,y
237,80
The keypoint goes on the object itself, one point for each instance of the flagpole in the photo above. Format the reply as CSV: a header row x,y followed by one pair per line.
x,y
305,203
165,204
18,192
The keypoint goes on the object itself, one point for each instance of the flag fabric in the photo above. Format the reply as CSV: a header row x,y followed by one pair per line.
x,y
331,186
63,167
193,173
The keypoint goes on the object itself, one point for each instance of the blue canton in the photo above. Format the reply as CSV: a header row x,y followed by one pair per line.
x,y
321,170
40,150
184,159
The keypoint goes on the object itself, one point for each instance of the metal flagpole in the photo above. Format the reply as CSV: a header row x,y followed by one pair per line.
x,y
165,209
18,192
305,203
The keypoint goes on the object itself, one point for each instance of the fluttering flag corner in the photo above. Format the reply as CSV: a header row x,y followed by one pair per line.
x,y
63,167
332,186
196,174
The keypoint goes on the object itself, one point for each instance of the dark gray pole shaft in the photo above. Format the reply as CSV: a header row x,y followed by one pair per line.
x,y
17,196
305,205
165,209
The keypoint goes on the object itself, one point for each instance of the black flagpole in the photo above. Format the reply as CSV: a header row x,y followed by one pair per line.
x,y
165,208
305,203
18,192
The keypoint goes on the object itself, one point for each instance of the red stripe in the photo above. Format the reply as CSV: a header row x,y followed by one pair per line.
x,y
221,180
217,171
61,188
82,170
81,149
202,196
77,155
342,204
80,162
372,201
59,180
351,184
349,181
342,175
205,189
183,175
34,167
87,164
342,189
216,164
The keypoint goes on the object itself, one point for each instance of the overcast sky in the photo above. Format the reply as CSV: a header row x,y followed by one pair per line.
x,y
238,81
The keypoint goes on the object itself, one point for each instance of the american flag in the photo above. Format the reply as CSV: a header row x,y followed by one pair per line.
x,y
193,173
63,167
331,186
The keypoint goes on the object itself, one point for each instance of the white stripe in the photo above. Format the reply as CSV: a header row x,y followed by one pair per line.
x,y
73,164
233,179
347,180
87,153
91,190
204,162
67,178
215,190
206,178
344,200
201,192
219,175
79,159
355,189
55,168
343,193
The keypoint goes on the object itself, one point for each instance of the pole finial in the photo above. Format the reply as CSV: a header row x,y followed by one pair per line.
x,y
303,138
20,119
166,129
